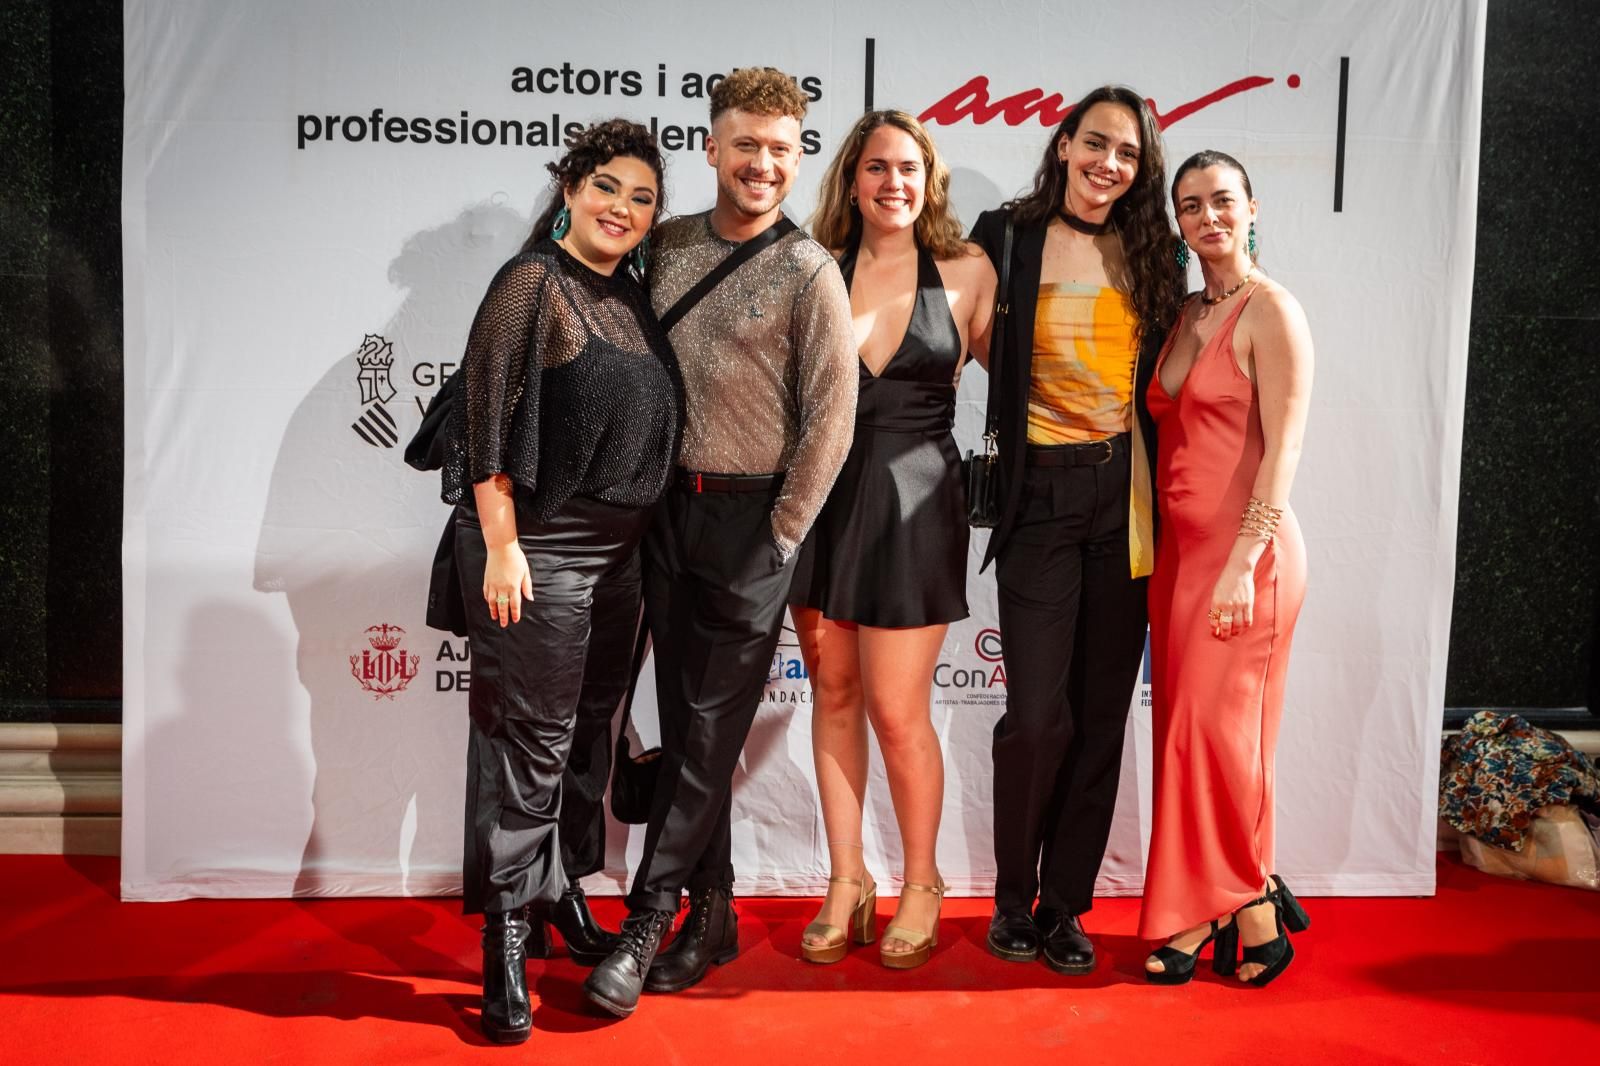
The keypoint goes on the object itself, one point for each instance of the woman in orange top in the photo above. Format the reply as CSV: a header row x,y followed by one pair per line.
x,y
1230,398
1093,288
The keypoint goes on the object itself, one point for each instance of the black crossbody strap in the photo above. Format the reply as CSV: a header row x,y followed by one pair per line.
x,y
641,647
737,258
997,339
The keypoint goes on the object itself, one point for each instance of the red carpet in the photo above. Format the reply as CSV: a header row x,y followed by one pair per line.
x,y
1489,971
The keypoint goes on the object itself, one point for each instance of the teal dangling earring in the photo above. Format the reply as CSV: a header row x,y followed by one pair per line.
x,y
562,223
1250,246
1181,254
639,258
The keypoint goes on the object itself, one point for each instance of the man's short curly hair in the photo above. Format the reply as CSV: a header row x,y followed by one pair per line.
x,y
760,91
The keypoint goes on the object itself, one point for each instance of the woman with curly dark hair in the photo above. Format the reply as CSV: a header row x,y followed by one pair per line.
x,y
1093,287
562,437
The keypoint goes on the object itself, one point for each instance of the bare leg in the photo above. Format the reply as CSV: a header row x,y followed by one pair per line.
x,y
839,745
896,678
1257,925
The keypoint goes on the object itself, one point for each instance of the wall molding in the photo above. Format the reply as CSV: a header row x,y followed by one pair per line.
x,y
60,788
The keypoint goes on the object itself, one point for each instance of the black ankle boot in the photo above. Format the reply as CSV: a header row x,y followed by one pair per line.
x,y
507,1018
587,943
710,934
615,984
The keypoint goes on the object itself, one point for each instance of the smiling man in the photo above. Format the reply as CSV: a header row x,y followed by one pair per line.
x,y
768,359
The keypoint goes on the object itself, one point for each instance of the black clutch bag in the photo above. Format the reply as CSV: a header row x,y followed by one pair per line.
x,y
633,782
983,497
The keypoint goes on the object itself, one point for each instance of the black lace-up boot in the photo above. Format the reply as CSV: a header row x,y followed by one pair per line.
x,y
616,983
710,934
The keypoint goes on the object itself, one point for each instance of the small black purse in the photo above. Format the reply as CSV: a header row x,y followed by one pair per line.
x,y
634,777
980,472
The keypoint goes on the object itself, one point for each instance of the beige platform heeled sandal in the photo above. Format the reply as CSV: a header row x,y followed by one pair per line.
x,y
863,925
922,944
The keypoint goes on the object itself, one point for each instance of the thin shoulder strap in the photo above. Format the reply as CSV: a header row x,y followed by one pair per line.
x,y
997,337
737,258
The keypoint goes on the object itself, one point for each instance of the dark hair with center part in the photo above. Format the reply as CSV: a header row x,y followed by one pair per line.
x,y
1138,216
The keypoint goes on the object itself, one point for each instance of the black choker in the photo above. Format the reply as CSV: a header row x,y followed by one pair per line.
x,y
1092,229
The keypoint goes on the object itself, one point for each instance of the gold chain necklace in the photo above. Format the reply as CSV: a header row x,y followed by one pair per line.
x,y
1212,300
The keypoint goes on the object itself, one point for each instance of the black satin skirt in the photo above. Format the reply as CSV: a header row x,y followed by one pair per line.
x,y
527,680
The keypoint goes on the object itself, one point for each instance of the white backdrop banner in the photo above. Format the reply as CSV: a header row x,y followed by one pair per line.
x,y
316,195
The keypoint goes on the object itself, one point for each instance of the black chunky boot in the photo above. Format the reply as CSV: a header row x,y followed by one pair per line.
x,y
507,1018
615,984
710,934
587,943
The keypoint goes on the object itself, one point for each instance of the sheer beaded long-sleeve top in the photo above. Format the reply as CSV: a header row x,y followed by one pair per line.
x,y
570,388
769,364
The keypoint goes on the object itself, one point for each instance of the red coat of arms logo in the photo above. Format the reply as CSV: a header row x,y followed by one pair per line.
x,y
384,669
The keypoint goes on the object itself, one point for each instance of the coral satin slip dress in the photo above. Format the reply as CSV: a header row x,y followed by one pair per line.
x,y
1216,704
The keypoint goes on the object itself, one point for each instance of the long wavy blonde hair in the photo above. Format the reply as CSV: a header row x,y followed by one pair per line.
x,y
837,222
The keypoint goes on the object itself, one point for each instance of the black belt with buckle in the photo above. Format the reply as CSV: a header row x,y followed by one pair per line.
x,y
1089,453
695,481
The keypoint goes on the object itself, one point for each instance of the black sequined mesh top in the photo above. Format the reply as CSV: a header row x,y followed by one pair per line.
x,y
569,387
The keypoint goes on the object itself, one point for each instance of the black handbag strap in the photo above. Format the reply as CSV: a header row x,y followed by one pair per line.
x,y
641,646
997,341
737,258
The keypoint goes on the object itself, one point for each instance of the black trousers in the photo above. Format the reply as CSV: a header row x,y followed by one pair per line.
x,y
613,621
527,685
715,591
1072,627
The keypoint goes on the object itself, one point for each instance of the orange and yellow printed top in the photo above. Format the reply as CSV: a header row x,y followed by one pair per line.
x,y
1084,353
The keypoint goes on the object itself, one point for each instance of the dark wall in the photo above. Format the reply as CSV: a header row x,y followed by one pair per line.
x,y
61,360
1529,566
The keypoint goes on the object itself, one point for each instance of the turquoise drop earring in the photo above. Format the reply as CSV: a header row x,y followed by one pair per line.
x,y
640,256
562,223
1251,245
1181,254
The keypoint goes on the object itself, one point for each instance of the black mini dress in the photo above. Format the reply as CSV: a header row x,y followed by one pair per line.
x,y
889,547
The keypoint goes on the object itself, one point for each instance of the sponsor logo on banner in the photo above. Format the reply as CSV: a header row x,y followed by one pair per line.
x,y
975,678
376,425
787,679
385,668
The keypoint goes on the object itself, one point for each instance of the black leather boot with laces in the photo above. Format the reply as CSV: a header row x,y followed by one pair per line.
x,y
710,934
615,984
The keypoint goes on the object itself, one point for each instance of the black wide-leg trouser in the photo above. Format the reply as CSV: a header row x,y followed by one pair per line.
x,y
715,591
527,685
1072,629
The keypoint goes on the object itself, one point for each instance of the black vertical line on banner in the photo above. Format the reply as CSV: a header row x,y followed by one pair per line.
x,y
872,47
1338,159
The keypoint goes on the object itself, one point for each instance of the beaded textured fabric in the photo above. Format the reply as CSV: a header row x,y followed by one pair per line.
x,y
769,364
569,387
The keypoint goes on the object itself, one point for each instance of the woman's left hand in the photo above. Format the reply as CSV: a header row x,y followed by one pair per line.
x,y
1233,601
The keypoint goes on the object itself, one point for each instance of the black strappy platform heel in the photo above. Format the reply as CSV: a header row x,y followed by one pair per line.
x,y
1177,967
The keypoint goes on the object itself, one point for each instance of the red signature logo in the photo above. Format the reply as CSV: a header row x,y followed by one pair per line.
x,y
972,101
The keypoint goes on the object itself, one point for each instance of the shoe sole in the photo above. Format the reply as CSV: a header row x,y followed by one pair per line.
x,y
1069,969
719,959
1008,955
609,1007
506,1036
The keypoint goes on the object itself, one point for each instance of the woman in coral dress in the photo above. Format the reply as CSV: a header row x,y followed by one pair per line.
x,y
1229,398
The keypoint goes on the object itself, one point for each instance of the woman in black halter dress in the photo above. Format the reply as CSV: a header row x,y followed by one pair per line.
x,y
883,572
890,546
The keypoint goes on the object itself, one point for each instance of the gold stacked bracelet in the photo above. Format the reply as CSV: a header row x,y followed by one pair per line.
x,y
1260,519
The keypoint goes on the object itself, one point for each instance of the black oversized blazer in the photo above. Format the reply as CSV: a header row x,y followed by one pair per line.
x,y
1016,362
